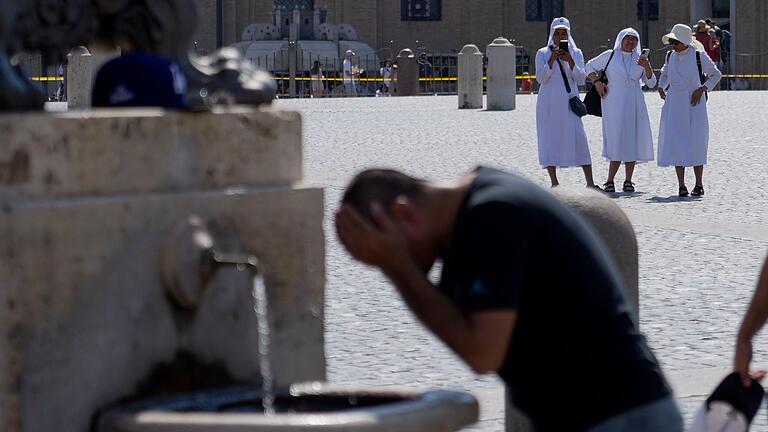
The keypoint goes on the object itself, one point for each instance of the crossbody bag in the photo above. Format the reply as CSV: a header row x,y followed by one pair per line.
x,y
575,103
592,99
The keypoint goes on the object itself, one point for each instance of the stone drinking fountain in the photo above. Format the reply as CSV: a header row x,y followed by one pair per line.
x,y
164,270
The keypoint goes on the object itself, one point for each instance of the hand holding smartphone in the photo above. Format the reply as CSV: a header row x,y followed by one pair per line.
x,y
564,45
645,53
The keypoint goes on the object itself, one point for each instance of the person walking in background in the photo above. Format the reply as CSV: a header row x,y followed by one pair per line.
x,y
386,76
627,136
316,78
561,137
684,128
348,74
708,38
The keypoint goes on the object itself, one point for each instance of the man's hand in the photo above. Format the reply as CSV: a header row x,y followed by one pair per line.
x,y
663,94
382,246
697,94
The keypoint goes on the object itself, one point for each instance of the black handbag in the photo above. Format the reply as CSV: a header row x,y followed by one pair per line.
x,y
592,99
575,103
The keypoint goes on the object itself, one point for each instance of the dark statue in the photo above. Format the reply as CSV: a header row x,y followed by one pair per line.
x,y
162,27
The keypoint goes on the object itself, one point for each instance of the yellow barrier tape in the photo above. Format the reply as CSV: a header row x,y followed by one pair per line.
x,y
382,79
762,76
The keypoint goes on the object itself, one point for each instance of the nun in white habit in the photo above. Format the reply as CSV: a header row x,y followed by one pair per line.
x,y
684,128
627,136
561,136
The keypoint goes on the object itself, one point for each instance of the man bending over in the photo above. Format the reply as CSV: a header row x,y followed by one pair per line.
x,y
526,291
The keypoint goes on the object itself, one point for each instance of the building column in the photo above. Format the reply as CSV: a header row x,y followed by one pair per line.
x,y
733,17
700,9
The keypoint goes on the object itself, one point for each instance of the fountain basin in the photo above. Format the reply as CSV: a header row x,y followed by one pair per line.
x,y
305,407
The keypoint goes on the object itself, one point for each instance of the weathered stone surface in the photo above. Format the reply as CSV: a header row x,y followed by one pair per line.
x,y
80,72
407,82
470,80
409,411
502,83
85,317
104,152
87,203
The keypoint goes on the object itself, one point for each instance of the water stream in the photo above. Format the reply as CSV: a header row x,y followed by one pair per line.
x,y
261,308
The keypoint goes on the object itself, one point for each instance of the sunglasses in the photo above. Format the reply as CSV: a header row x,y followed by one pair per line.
x,y
675,42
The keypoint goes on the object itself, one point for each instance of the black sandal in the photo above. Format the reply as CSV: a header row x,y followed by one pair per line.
x,y
697,191
628,186
683,191
609,187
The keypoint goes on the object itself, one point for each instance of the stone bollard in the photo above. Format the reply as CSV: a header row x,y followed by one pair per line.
x,y
502,83
82,67
470,85
407,82
615,230
79,78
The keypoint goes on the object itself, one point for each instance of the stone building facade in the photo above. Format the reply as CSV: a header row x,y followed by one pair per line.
x,y
444,26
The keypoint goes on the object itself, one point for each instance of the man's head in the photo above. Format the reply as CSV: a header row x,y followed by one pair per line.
x,y
404,200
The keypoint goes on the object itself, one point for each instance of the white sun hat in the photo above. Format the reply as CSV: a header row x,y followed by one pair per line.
x,y
684,34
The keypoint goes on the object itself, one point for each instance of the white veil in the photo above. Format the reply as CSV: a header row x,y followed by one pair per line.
x,y
562,22
629,31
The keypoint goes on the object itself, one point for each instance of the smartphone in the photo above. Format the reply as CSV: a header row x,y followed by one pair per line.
x,y
644,54
564,45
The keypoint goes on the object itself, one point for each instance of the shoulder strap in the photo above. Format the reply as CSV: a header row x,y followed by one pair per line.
x,y
565,79
666,60
702,77
609,59
698,65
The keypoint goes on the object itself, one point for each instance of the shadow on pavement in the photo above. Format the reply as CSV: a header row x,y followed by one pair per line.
x,y
624,195
671,199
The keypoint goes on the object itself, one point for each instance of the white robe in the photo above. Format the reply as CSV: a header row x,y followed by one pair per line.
x,y
561,136
627,135
684,129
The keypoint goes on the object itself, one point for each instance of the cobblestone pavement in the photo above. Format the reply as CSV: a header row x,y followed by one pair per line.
x,y
699,258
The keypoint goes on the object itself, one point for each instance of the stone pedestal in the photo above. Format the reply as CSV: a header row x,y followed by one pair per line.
x,y
502,84
82,67
470,85
80,75
89,201
407,82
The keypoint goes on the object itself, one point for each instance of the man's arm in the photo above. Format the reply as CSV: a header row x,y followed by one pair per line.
x,y
480,338
756,316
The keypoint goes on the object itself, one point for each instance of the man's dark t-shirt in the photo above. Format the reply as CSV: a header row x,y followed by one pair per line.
x,y
139,79
575,357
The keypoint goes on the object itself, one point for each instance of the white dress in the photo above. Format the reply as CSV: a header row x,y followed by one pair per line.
x,y
561,136
684,129
627,135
